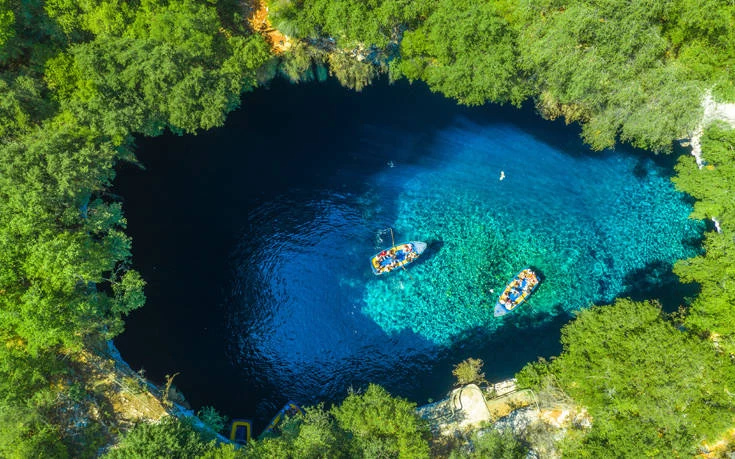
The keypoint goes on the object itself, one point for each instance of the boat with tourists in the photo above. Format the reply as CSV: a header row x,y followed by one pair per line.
x,y
396,257
516,292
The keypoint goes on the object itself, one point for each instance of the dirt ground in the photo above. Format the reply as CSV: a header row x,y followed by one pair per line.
x,y
256,12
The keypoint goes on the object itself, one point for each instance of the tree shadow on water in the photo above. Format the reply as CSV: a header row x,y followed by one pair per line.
x,y
522,338
657,281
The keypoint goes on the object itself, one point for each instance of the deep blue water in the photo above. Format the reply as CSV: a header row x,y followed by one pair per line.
x,y
255,240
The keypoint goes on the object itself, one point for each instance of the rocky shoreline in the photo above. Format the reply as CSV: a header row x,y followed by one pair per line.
x,y
503,407
713,111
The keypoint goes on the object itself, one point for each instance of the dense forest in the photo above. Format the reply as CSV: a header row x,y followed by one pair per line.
x,y
80,79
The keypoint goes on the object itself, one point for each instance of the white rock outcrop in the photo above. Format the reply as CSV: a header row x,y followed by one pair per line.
x,y
713,111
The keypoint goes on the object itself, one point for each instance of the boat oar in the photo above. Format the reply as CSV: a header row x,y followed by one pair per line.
x,y
409,276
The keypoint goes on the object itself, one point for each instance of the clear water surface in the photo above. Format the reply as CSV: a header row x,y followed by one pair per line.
x,y
256,238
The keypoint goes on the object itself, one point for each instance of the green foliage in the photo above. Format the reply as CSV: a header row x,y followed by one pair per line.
x,y
712,312
270,447
27,35
383,424
212,418
372,424
25,433
170,438
609,66
21,105
701,31
300,62
351,23
625,71
26,401
352,73
650,388
171,67
54,254
318,434
314,434
492,444
7,21
77,80
469,371
534,374
80,19
711,185
465,50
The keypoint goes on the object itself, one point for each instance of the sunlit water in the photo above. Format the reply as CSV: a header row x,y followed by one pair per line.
x,y
295,310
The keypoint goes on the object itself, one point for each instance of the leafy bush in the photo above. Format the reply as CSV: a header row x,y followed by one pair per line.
x,y
212,418
371,424
492,443
170,438
469,371
650,388
381,423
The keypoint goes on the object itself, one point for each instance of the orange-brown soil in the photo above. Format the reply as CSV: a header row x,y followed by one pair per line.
x,y
256,12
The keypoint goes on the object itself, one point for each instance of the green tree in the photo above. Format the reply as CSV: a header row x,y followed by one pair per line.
x,y
701,33
350,23
712,313
383,425
169,438
469,371
465,50
491,443
651,389
169,67
318,435
212,418
22,104
609,66
57,246
7,23
77,79
24,432
313,434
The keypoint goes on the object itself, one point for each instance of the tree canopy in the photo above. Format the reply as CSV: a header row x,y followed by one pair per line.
x,y
368,424
466,50
626,71
650,388
712,313
77,81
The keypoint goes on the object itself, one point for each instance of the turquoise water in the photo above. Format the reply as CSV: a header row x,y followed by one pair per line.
x,y
585,220
255,241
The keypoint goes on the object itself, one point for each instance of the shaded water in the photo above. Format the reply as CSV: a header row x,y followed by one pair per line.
x,y
256,238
